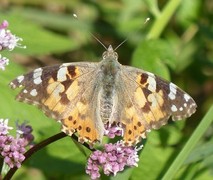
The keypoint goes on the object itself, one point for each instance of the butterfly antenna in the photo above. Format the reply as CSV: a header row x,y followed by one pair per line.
x,y
121,43
147,19
98,40
76,17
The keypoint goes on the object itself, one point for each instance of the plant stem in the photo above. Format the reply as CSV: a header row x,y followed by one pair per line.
x,y
199,131
1,165
163,19
38,147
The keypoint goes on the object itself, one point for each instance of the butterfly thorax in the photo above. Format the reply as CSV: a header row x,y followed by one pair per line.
x,y
110,68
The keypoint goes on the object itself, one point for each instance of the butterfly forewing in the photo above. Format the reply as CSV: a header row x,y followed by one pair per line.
x,y
42,82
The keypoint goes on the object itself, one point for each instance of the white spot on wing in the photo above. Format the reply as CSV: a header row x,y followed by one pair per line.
x,y
65,65
186,97
150,74
173,90
174,108
152,83
25,91
61,75
20,78
181,108
33,92
37,76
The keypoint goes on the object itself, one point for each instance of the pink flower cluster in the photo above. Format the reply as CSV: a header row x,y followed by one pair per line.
x,y
112,160
7,41
12,149
112,130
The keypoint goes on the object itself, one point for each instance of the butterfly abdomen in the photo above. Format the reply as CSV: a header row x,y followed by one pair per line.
x,y
109,73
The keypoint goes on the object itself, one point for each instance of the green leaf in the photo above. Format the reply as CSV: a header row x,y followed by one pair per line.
x,y
200,130
153,55
186,17
38,40
124,175
202,151
152,159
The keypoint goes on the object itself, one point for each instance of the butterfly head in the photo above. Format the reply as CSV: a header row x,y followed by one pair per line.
x,y
110,54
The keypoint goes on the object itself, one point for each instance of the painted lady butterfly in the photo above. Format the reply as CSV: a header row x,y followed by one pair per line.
x,y
85,96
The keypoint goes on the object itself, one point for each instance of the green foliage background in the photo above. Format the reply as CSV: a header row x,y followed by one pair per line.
x,y
176,44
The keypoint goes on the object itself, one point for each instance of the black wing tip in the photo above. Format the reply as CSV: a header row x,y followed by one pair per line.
x,y
16,83
191,110
13,84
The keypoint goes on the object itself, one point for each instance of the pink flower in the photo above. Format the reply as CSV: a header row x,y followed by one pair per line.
x,y
12,149
7,39
112,160
112,130
25,131
4,127
3,62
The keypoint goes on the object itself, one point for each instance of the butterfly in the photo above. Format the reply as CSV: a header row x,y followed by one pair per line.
x,y
85,96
